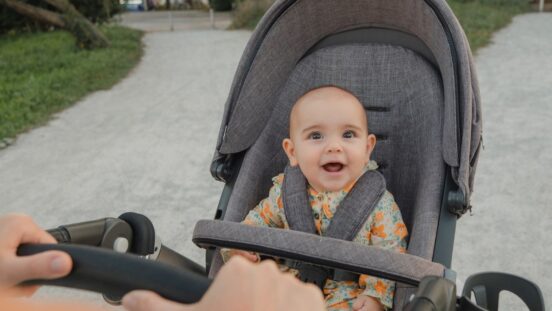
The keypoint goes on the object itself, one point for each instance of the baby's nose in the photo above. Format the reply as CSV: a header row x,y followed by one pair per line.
x,y
334,147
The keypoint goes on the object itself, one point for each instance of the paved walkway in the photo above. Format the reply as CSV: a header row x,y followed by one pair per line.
x,y
512,225
146,144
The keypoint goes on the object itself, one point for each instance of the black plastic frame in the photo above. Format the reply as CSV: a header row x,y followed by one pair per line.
x,y
446,227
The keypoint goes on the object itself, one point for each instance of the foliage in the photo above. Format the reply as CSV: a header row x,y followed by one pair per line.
x,y
221,5
249,12
43,73
480,18
97,11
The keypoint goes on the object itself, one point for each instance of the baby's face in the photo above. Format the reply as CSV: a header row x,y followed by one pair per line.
x,y
329,138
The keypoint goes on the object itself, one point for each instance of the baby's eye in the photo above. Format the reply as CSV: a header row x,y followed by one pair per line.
x,y
315,135
349,134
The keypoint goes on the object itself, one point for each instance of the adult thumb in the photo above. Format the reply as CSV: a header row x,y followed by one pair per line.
x,y
46,265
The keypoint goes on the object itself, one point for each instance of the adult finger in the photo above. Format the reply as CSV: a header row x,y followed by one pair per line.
x,y
305,297
141,300
47,265
20,229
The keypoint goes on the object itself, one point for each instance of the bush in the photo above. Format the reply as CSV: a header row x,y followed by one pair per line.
x,y
221,5
249,12
97,11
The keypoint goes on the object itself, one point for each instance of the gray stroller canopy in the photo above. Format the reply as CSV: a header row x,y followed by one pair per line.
x,y
292,29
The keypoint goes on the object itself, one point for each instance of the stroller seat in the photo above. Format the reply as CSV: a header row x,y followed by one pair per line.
x,y
410,66
401,92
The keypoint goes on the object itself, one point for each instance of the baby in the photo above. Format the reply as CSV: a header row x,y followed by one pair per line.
x,y
330,143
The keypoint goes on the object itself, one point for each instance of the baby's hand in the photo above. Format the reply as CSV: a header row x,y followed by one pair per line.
x,y
251,256
367,303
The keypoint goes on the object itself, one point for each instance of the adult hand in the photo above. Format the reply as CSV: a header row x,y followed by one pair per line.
x,y
241,286
20,229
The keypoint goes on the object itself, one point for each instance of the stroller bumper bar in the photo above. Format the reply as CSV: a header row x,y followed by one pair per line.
x,y
317,250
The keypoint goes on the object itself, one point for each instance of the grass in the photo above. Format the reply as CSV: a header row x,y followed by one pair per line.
x,y
43,73
481,19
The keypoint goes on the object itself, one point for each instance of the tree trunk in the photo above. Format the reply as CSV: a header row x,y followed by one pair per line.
x,y
88,36
34,12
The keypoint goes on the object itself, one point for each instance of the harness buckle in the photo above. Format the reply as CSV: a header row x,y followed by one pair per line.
x,y
312,274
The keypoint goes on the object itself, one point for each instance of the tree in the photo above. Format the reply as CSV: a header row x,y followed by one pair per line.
x,y
88,36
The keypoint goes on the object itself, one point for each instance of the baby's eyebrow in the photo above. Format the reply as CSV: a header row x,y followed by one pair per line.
x,y
353,126
310,128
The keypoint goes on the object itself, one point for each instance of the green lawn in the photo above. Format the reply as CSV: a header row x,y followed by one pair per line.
x,y
42,73
480,19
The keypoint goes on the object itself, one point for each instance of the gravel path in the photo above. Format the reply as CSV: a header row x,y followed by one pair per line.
x,y
146,144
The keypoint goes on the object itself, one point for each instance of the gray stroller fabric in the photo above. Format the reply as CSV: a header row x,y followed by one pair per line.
x,y
403,98
291,27
349,217
327,252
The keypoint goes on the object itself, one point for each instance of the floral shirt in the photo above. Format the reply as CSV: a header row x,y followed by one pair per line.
x,y
384,228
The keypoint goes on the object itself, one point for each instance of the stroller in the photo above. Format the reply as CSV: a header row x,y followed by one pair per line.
x,y
410,64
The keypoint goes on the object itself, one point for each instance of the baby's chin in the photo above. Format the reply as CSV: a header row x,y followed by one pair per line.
x,y
330,186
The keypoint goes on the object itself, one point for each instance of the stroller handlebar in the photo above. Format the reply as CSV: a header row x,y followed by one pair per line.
x,y
115,274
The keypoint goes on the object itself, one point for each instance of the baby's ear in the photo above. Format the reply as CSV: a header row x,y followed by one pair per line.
x,y
289,149
370,145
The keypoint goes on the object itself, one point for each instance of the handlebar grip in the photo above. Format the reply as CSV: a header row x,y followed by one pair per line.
x,y
116,274
172,258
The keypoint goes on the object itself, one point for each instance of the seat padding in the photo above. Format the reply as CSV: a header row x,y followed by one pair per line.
x,y
403,97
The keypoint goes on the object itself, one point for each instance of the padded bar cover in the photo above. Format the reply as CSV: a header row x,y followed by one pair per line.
x,y
116,274
323,251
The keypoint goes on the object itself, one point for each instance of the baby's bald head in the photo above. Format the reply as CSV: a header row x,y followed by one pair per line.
x,y
320,98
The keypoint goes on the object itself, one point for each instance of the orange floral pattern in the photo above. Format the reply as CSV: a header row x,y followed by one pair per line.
x,y
384,228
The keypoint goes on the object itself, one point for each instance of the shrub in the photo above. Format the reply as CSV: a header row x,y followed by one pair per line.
x,y
221,5
98,11
249,12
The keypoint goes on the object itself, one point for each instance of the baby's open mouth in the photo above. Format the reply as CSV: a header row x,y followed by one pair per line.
x,y
333,167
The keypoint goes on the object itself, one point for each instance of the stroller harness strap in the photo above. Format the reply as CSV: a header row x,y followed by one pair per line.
x,y
349,217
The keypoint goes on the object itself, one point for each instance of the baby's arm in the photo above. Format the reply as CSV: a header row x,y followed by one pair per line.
x,y
386,229
227,253
265,214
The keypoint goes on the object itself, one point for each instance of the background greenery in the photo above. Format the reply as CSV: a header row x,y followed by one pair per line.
x,y
480,18
97,11
45,72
